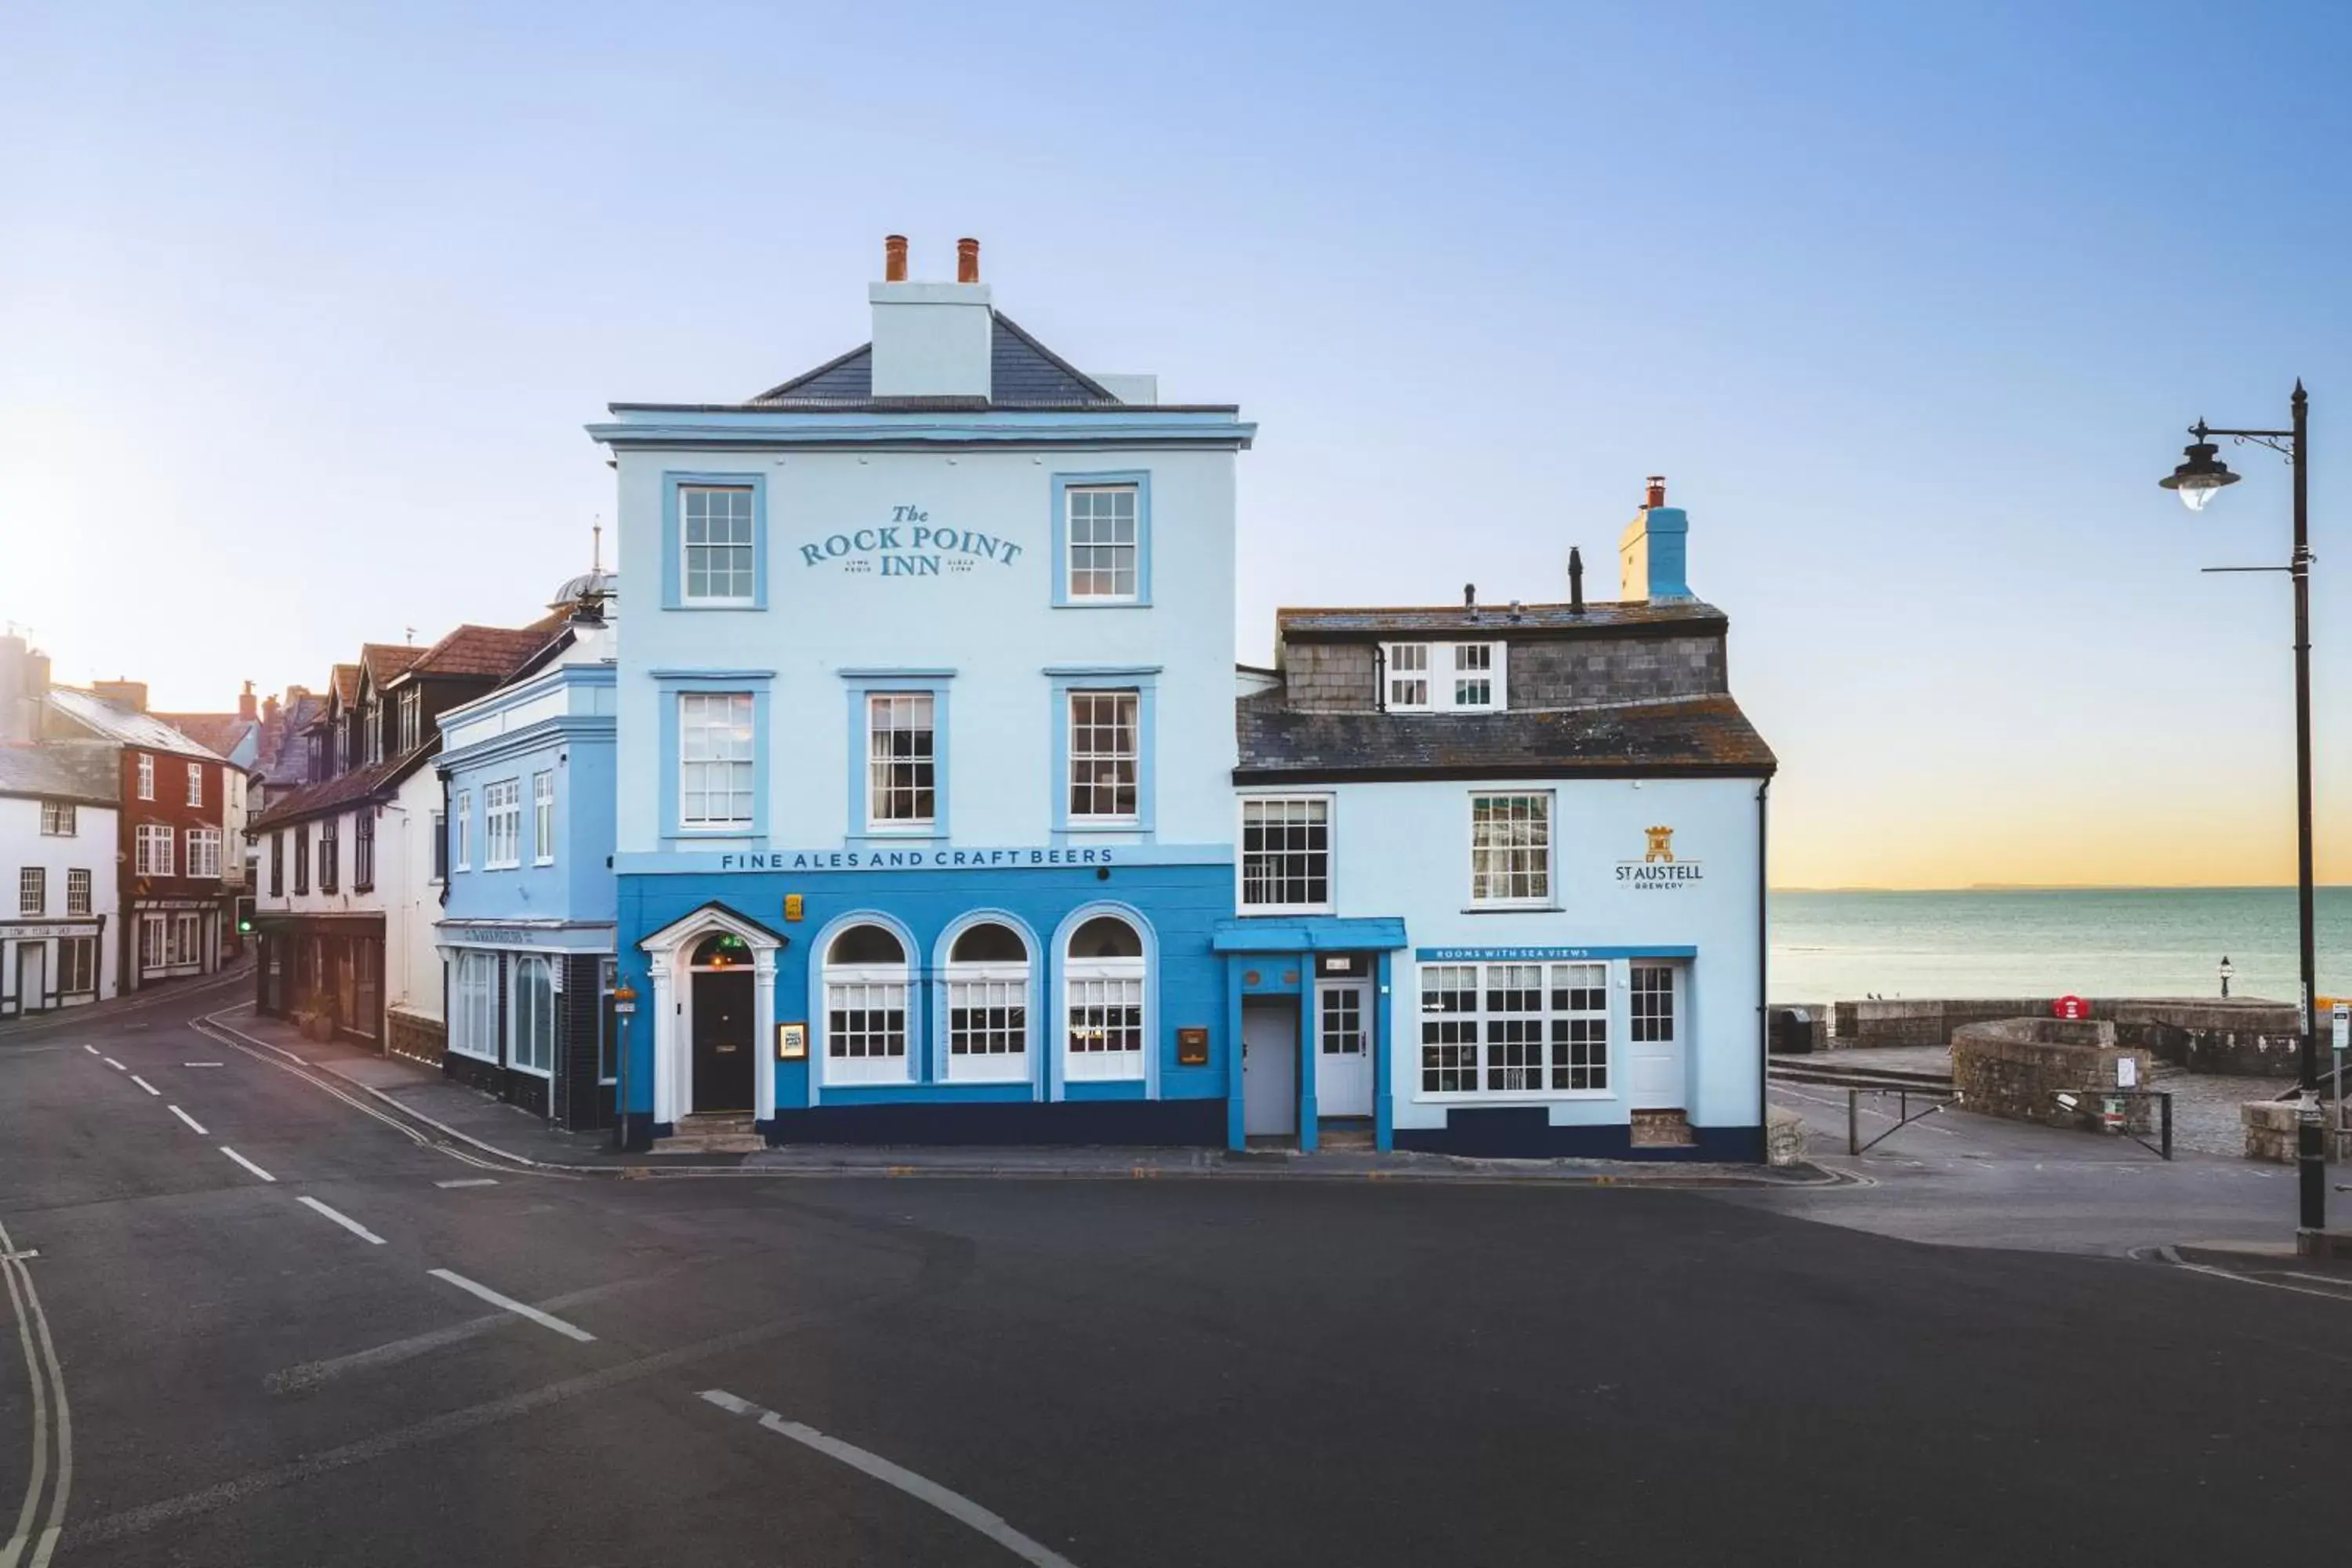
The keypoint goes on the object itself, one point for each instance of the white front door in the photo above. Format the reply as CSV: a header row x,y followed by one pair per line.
x,y
1343,1057
32,977
1655,1023
1270,1067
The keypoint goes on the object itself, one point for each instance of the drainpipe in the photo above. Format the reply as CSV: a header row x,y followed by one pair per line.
x,y
1763,992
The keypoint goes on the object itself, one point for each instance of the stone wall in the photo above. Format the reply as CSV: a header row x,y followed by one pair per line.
x,y
2247,1038
1784,1137
1329,676
1575,672
2271,1132
417,1038
2017,1068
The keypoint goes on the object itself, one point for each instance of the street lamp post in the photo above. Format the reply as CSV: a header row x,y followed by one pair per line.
x,y
2229,971
2197,480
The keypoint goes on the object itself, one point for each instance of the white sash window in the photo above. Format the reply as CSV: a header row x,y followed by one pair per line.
x,y
988,1004
865,982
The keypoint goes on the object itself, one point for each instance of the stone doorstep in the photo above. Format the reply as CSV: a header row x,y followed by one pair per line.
x,y
1663,1130
724,1132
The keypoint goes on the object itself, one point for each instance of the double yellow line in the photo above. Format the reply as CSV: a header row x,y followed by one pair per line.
x,y
51,1415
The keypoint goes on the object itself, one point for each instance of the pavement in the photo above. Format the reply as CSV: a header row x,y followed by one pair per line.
x,y
272,1321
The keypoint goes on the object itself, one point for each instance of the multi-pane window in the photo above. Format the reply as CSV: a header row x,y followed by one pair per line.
x,y
58,819
146,776
987,1003
77,965
502,825
1444,678
534,1014
204,851
1650,1014
543,818
195,783
865,985
331,856
1105,756
171,941
1407,675
32,890
1103,977
364,849
1510,849
1103,543
150,850
464,832
1286,853
902,769
715,759
1514,1028
78,886
715,531
411,719
474,1017
302,858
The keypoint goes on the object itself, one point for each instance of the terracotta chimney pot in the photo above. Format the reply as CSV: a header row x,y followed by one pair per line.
x,y
967,261
894,258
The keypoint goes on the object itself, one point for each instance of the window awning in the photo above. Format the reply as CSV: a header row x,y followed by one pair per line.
x,y
1308,933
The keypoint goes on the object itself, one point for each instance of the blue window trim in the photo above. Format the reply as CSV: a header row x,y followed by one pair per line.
x,y
937,982
864,683
919,1058
1141,479
1143,679
673,585
672,684
1058,1001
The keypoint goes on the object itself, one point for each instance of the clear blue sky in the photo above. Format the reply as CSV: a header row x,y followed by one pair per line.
x,y
302,308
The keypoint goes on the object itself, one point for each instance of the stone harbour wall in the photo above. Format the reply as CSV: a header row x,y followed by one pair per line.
x,y
2271,1132
2017,1068
2243,1037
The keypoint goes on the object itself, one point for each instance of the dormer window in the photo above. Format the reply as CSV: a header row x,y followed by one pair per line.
x,y
411,712
1444,678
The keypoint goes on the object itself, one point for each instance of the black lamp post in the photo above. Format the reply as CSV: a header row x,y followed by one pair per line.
x,y
2197,480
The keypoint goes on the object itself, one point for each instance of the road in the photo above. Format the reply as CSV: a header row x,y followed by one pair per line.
x,y
311,1352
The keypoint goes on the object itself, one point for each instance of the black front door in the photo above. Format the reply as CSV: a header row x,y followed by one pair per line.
x,y
722,1040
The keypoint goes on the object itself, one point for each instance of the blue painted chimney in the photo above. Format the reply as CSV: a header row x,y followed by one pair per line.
x,y
1651,555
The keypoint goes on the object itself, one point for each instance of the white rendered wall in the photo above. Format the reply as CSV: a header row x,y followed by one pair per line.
x,y
92,848
412,899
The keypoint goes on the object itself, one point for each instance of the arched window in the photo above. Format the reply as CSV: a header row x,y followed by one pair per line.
x,y
534,1015
987,1003
865,1008
1103,977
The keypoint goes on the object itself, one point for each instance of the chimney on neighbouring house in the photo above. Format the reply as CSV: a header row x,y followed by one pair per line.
x,y
245,708
19,702
932,340
1653,555
1575,581
894,258
269,710
122,692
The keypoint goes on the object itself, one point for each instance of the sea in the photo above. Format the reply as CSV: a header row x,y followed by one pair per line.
x,y
2106,942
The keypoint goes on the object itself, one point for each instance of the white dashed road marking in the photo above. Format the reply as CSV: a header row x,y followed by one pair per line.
x,y
117,1065
195,1126
346,1221
470,1181
247,1163
518,1309
145,1085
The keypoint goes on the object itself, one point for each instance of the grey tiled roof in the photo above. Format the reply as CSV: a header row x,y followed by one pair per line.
x,y
1022,373
122,725
1688,735
63,770
1497,620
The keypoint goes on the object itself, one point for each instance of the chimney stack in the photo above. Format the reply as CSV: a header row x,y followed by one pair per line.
x,y
932,340
894,258
1653,555
1575,581
122,692
269,710
245,707
1469,596
967,261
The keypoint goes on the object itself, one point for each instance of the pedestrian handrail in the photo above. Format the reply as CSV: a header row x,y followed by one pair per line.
x,y
2102,1109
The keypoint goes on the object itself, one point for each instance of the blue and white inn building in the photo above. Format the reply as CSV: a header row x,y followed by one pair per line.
x,y
925,821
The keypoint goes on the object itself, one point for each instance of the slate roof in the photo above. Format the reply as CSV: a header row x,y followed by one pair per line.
x,y
83,771
1635,616
278,746
220,733
121,725
361,784
1694,735
1022,374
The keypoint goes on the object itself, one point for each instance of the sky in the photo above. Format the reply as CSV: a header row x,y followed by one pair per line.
x,y
303,308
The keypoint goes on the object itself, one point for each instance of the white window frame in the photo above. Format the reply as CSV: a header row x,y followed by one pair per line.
x,y
867,988
529,1053
78,891
542,817
462,850
59,819
1429,676
1089,984
1243,883
502,825
441,836
474,1005
1507,1040
688,544
153,841
992,987
1543,871
32,890
1081,761
1112,546
204,852
885,711
146,775
411,711
718,724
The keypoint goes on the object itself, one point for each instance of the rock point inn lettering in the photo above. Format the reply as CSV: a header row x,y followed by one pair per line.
x,y
909,546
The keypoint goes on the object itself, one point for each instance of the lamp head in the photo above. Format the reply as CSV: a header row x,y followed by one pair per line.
x,y
2201,477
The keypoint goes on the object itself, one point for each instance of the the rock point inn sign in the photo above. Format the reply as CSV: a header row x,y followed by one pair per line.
x,y
910,545
1659,870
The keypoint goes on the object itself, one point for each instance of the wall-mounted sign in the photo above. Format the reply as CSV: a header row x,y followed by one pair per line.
x,y
911,859
43,932
1191,1047
792,1042
1659,868
793,906
2070,1008
910,545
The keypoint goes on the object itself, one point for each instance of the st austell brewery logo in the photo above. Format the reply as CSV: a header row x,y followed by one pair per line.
x,y
1659,868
